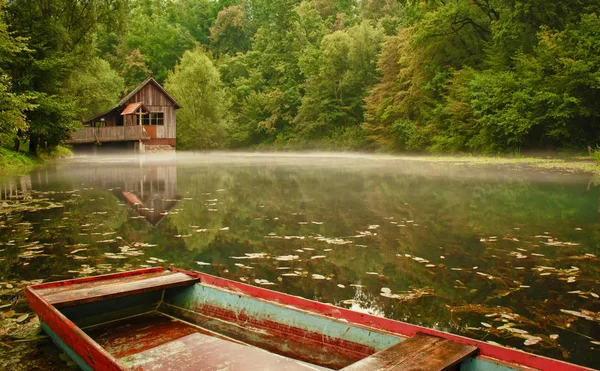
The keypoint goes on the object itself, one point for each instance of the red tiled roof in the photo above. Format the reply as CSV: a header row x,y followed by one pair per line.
x,y
133,107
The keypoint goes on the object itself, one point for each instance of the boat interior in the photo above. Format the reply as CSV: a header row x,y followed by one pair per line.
x,y
168,320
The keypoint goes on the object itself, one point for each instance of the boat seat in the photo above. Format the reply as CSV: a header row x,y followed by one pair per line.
x,y
420,352
89,292
200,352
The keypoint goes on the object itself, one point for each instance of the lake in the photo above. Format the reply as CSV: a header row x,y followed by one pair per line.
x,y
502,253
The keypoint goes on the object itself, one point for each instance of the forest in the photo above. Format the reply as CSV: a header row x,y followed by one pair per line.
x,y
474,76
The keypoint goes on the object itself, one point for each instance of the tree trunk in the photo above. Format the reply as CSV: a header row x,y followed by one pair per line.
x,y
18,140
33,144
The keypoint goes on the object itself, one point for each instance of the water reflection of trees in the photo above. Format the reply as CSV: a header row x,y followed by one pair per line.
x,y
229,211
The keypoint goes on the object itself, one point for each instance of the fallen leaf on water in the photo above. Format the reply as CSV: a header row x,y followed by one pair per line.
x,y
533,340
554,336
263,282
287,257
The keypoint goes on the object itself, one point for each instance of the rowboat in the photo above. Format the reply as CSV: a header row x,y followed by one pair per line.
x,y
171,319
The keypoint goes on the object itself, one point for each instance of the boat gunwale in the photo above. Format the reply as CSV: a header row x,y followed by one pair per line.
x,y
61,325
84,346
487,351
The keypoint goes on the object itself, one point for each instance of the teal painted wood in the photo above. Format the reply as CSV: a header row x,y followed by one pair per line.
x,y
90,314
478,364
198,295
65,348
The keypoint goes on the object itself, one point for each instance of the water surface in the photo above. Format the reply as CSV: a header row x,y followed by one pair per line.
x,y
501,254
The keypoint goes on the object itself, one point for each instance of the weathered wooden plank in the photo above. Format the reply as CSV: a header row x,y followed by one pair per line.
x,y
200,352
136,334
87,282
420,352
314,348
112,290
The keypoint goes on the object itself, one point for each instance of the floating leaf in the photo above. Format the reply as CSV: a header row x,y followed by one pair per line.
x,y
287,257
532,340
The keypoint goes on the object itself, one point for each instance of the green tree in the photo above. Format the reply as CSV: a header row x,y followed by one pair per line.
x,y
160,42
338,80
95,88
135,69
231,32
196,84
60,36
12,105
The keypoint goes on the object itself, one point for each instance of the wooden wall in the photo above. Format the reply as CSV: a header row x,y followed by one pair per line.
x,y
156,101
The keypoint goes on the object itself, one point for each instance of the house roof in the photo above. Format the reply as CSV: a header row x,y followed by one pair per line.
x,y
153,217
133,107
99,115
149,80
124,100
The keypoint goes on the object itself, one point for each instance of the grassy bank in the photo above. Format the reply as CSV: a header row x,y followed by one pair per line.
x,y
12,163
15,163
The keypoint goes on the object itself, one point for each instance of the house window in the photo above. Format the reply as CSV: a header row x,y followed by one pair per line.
x,y
153,118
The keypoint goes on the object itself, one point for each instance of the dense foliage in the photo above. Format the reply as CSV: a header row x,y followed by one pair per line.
x,y
442,76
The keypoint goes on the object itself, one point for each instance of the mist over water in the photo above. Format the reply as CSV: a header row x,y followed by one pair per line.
x,y
499,252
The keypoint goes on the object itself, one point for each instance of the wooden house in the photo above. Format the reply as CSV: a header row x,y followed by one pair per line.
x,y
146,116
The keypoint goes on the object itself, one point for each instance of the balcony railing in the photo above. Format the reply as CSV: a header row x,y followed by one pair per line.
x,y
108,134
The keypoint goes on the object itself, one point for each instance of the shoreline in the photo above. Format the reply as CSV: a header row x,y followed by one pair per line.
x,y
20,163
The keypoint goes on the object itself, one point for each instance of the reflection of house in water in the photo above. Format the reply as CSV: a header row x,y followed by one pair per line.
x,y
153,195
149,189
12,190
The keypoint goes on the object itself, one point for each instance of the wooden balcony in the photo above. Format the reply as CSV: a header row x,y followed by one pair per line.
x,y
108,134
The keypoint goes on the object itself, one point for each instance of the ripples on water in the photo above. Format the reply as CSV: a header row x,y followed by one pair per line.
x,y
494,253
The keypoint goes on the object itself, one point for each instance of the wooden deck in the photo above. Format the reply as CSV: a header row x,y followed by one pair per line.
x,y
108,134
